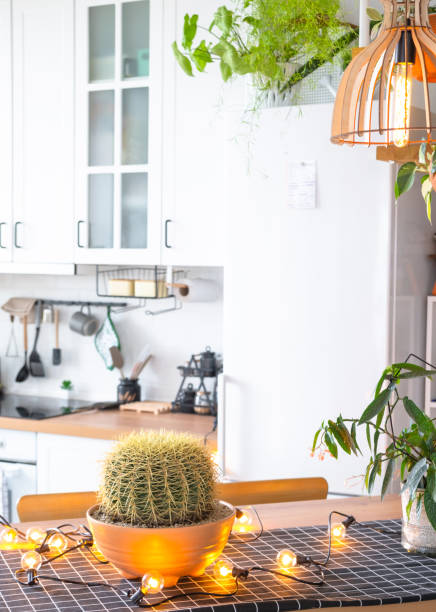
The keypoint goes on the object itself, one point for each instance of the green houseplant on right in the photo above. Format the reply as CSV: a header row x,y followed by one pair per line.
x,y
278,42
411,453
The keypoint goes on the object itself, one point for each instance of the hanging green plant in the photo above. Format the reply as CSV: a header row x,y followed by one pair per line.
x,y
279,42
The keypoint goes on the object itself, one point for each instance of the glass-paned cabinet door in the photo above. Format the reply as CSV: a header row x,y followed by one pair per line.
x,y
118,126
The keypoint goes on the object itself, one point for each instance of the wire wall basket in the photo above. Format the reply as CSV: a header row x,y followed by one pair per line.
x,y
139,284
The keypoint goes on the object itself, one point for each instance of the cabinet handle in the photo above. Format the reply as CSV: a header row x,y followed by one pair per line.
x,y
167,222
81,246
2,444
1,244
16,245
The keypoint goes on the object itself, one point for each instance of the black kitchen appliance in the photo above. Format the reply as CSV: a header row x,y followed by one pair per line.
x,y
37,408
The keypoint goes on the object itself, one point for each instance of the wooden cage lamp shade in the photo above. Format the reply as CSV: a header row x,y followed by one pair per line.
x,y
374,100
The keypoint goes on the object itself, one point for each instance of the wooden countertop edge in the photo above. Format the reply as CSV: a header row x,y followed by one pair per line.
x,y
116,426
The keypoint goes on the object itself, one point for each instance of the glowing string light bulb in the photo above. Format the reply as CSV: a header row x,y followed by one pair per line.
x,y
222,569
57,543
153,582
31,560
35,535
286,558
338,531
8,537
244,521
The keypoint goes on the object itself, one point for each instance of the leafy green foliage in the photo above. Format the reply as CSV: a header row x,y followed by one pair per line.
x,y
264,38
413,449
405,178
407,173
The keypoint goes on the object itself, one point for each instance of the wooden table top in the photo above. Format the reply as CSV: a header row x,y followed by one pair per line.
x,y
315,512
111,424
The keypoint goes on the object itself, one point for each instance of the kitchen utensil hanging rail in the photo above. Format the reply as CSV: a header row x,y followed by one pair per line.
x,y
85,303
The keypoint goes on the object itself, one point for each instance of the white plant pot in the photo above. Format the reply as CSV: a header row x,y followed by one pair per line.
x,y
417,534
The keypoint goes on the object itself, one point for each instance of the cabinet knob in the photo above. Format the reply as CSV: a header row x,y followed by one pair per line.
x,y
2,246
167,222
2,444
16,245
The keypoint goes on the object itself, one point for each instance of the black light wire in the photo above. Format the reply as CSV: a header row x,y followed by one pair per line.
x,y
238,573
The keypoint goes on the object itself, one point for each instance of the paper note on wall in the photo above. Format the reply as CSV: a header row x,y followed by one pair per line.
x,y
302,185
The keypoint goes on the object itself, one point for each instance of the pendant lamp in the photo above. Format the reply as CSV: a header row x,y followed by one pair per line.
x,y
374,100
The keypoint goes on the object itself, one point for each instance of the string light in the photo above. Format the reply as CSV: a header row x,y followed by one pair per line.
x,y
286,558
244,521
153,582
36,535
57,543
31,560
222,569
8,536
338,531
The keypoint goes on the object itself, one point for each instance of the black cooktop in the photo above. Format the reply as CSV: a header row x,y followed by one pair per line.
x,y
34,407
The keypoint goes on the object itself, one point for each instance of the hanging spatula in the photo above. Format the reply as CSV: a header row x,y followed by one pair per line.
x,y
117,359
35,363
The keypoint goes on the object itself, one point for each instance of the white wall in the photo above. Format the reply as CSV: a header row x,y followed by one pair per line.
x,y
306,296
172,336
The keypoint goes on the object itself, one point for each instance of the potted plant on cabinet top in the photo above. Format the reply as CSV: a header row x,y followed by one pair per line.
x,y
157,511
411,453
278,42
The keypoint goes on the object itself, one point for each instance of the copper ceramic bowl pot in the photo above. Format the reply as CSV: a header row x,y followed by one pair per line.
x,y
172,551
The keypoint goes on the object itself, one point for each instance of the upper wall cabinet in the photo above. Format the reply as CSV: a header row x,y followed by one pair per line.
x,y
43,144
6,133
195,144
119,140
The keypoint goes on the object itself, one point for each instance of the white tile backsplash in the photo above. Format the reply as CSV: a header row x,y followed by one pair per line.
x,y
173,337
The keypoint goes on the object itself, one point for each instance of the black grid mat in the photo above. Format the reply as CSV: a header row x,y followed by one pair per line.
x,y
369,568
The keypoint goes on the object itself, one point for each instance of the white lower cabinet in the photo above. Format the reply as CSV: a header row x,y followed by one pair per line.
x,y
69,463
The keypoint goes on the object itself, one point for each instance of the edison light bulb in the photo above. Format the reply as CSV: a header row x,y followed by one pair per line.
x,y
244,520
35,535
57,543
222,569
8,536
338,531
401,103
286,558
31,560
153,582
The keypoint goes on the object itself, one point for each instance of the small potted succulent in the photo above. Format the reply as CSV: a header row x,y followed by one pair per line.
x,y
157,510
409,454
66,388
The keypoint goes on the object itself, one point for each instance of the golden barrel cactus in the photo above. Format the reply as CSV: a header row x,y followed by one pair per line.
x,y
158,479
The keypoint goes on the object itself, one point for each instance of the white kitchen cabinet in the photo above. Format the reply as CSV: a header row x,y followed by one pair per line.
x,y
69,463
118,135
6,133
194,156
43,185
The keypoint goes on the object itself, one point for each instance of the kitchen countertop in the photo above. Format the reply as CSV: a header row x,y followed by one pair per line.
x,y
110,424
